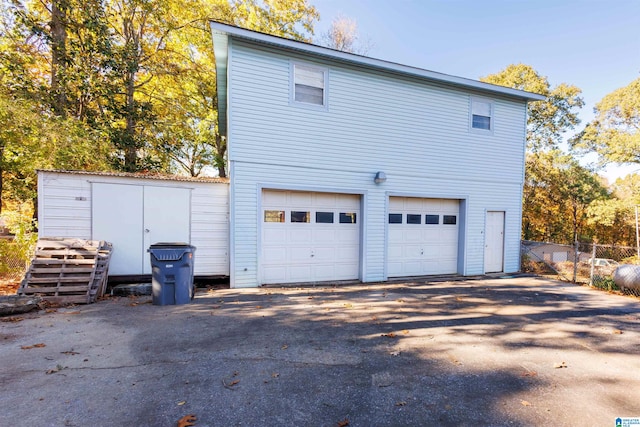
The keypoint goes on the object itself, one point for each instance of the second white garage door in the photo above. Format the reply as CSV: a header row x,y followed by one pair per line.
x,y
423,236
309,237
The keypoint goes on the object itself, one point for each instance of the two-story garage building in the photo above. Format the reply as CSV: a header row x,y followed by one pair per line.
x,y
344,167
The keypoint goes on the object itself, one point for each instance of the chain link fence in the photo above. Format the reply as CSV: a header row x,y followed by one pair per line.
x,y
14,262
607,267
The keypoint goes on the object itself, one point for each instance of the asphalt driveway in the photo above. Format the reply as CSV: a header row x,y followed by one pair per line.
x,y
510,351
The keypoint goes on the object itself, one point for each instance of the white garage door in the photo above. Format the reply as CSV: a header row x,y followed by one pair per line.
x,y
423,236
308,237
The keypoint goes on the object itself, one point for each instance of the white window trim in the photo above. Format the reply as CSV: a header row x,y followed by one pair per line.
x,y
292,86
491,117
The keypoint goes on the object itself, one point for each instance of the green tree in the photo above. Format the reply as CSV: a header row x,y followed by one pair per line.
x,y
550,119
32,138
183,90
613,219
557,194
614,134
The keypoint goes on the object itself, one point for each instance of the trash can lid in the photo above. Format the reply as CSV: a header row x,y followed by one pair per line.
x,y
170,244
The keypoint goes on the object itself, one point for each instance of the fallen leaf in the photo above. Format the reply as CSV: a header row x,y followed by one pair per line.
x,y
529,374
560,365
389,335
348,305
400,300
402,403
12,319
405,332
258,307
28,347
617,332
525,403
343,423
275,375
187,421
284,347
70,352
182,402
51,310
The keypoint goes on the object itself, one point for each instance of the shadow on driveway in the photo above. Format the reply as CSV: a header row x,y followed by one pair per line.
x,y
488,352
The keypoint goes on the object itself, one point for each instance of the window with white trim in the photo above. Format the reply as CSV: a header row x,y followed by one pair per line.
x,y
309,84
481,114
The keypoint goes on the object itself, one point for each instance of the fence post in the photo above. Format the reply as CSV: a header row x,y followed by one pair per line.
x,y
575,262
593,264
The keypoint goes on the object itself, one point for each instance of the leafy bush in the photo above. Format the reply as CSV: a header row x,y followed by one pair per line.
x,y
604,282
17,252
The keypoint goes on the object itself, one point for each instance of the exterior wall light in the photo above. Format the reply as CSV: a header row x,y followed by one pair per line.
x,y
380,178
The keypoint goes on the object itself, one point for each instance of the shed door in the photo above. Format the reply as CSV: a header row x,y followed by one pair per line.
x,y
308,237
423,236
132,217
117,217
167,213
494,242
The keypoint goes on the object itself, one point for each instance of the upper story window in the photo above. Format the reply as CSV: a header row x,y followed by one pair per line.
x,y
309,85
481,114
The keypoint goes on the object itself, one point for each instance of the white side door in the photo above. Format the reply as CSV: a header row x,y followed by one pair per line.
x,y
117,217
494,242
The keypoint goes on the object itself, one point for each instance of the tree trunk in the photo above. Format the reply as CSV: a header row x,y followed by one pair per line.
x,y
1,172
58,55
221,150
131,151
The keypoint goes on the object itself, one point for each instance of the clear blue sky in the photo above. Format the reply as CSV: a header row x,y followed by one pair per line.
x,y
593,44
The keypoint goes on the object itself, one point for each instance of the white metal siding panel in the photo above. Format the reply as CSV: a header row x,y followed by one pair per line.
x,y
417,133
379,118
210,228
64,206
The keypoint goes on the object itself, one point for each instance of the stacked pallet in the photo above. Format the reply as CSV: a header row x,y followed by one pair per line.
x,y
68,271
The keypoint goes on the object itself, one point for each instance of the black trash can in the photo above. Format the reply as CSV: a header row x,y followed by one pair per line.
x,y
171,273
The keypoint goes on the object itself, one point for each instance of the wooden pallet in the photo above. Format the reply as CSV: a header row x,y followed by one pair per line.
x,y
68,270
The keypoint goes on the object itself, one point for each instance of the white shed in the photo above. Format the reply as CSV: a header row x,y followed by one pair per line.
x,y
134,211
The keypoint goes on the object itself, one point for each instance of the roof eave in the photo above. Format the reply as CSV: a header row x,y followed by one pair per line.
x,y
230,30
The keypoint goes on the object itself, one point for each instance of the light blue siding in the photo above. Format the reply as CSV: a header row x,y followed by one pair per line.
x,y
417,132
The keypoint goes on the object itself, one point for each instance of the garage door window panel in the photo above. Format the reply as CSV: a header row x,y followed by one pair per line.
x,y
300,216
395,218
449,219
432,219
414,219
348,218
274,216
324,217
